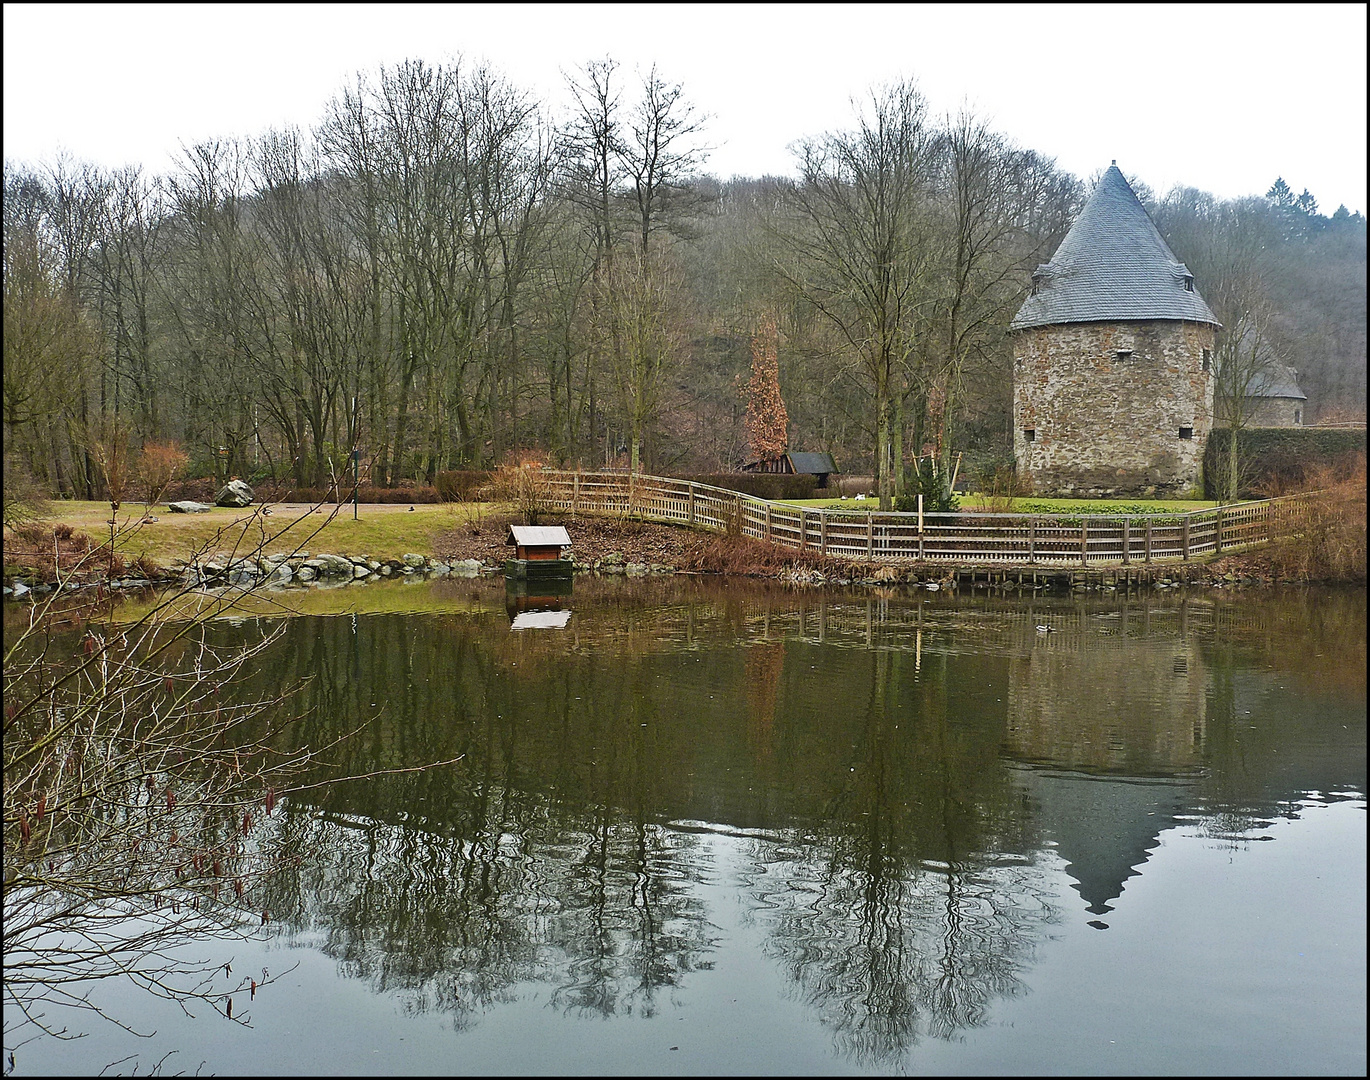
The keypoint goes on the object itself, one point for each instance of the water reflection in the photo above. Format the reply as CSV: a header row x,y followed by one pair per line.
x,y
909,774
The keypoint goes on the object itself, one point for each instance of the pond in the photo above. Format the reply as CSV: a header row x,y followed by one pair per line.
x,y
732,828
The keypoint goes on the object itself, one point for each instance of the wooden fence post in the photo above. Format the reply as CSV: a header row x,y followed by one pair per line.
x,y
823,531
1184,537
803,528
575,492
1148,541
692,503
1127,540
768,523
1084,541
1032,540
1218,533
870,536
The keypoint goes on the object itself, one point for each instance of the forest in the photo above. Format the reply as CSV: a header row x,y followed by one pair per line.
x,y
445,273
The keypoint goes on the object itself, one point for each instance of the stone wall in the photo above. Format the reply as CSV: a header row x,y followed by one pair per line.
x,y
1106,424
1278,412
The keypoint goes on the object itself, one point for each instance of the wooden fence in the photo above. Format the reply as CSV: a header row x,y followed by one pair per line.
x,y
963,538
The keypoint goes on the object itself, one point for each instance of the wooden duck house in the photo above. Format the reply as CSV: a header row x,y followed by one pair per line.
x,y
538,552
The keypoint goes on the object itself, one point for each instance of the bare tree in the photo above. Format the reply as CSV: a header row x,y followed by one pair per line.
x,y
642,303
140,790
859,243
662,153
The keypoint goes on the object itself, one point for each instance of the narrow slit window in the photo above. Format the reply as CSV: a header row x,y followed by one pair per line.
x,y
1298,416
1208,360
1030,434
1186,433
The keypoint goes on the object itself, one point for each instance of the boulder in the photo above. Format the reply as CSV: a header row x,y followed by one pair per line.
x,y
306,573
413,561
189,506
234,493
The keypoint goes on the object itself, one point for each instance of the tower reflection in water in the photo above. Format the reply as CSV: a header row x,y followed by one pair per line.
x,y
898,781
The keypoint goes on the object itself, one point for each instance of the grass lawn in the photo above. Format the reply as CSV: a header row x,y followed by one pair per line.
x,y
381,530
977,504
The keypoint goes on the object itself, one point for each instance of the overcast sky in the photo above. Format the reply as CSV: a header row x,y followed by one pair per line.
x,y
1223,98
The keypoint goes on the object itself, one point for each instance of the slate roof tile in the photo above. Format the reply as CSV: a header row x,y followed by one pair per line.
x,y
1113,265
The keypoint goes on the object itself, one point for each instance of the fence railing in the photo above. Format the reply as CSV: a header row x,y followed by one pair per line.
x,y
1023,539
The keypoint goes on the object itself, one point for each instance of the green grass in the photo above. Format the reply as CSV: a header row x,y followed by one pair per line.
x,y
381,531
977,504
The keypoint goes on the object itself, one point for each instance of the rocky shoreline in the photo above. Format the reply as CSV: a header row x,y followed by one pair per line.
x,y
636,549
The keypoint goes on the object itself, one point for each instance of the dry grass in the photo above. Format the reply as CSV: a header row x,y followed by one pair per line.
x,y
1331,546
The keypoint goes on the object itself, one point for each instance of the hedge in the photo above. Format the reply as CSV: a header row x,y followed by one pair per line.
x,y
365,494
461,485
762,485
1278,458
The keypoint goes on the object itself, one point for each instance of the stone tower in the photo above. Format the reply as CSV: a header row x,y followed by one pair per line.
x,y
1112,359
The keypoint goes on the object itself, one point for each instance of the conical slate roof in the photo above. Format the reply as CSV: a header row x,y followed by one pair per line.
x,y
1112,265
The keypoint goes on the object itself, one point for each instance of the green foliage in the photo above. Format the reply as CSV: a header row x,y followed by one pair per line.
x,y
783,486
1104,506
1277,459
938,498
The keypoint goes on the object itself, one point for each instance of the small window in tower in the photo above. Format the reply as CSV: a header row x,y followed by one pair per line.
x,y
1124,354
1208,360
1030,434
1186,433
1298,416
1188,283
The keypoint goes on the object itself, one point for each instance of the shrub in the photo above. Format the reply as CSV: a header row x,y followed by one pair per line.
x,y
1331,544
762,485
1280,459
343,495
524,485
461,485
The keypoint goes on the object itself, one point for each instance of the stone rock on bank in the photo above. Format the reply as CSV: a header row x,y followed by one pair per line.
x,y
235,493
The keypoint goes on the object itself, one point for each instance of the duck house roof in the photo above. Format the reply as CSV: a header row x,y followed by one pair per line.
x,y
538,536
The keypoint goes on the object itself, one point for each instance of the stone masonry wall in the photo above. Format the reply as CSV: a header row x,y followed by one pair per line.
x,y
1106,425
1278,412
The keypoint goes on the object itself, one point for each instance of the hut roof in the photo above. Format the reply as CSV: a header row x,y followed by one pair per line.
x,y
812,462
1113,265
538,536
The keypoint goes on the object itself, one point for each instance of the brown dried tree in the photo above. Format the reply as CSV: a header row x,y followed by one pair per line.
x,y
767,421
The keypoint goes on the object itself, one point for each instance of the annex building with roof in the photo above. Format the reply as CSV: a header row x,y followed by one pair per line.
x,y
1274,398
1112,359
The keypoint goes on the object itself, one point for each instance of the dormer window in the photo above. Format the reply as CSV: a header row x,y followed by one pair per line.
x,y
1188,283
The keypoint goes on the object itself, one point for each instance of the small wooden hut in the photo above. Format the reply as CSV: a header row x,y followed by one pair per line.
x,y
820,465
538,551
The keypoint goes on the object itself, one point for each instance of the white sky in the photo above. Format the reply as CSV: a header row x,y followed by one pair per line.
x,y
1223,97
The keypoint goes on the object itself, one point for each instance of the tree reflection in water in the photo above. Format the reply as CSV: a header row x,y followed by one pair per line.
x,y
893,919
872,749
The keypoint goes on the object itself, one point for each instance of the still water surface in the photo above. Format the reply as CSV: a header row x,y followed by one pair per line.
x,y
718,829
